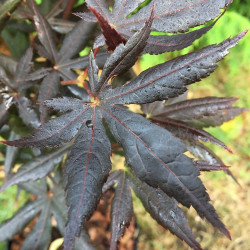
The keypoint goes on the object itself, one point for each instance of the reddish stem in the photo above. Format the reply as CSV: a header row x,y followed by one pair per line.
x,y
68,9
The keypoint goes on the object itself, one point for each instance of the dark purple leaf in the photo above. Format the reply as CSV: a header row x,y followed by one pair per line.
x,y
5,82
60,25
121,210
40,236
177,17
27,113
205,166
8,63
75,40
112,179
156,157
112,37
11,154
164,210
93,74
59,130
185,131
157,44
59,210
13,226
23,67
87,168
158,107
203,112
169,17
169,79
34,188
125,56
203,153
37,75
48,89
3,114
44,32
37,168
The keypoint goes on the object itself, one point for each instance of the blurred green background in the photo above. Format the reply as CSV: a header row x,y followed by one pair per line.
x,y
231,79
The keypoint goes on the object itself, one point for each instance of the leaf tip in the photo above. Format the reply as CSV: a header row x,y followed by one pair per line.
x,y
229,150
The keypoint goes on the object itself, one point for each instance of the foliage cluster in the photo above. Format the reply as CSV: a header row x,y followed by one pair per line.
x,y
72,106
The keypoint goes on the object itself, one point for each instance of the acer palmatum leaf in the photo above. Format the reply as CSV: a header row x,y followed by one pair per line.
x,y
87,167
10,155
203,153
168,17
23,216
27,113
125,56
62,61
158,160
202,112
40,236
58,130
121,210
37,168
169,79
154,154
44,32
185,131
164,210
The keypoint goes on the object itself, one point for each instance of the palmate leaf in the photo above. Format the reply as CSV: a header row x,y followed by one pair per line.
x,y
168,17
41,234
15,87
62,60
159,161
49,202
155,156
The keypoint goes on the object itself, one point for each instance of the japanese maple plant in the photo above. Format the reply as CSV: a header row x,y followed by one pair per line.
x,y
83,112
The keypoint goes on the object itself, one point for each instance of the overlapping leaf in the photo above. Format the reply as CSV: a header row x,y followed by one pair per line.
x,y
122,207
62,60
188,132
169,79
202,112
164,210
50,202
159,161
160,206
203,153
87,168
168,17
13,88
36,169
155,156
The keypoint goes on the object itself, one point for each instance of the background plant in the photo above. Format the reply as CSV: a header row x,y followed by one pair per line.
x,y
78,92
